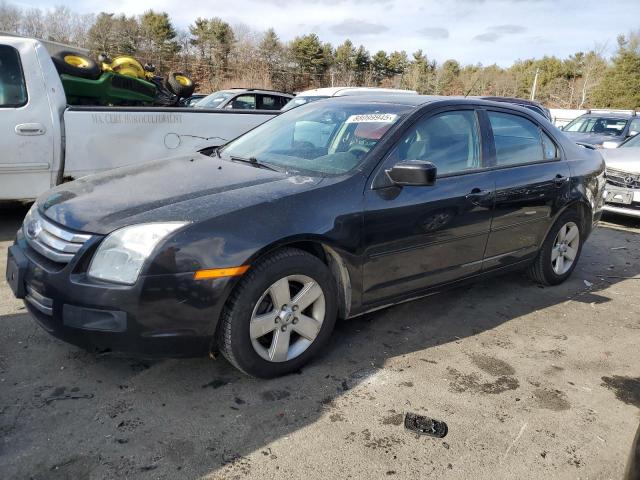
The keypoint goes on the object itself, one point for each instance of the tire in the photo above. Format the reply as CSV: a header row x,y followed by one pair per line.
x,y
179,84
545,269
76,64
255,297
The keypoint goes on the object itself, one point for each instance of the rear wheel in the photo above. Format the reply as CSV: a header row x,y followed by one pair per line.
x,y
76,64
560,251
280,315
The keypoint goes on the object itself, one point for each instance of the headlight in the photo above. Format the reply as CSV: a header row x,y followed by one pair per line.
x,y
121,255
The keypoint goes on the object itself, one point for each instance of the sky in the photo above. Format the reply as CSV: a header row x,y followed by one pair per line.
x,y
470,31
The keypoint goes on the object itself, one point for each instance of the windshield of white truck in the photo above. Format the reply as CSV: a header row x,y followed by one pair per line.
x,y
13,92
325,138
214,100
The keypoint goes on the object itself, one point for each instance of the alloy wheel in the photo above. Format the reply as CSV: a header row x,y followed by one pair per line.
x,y
565,248
287,318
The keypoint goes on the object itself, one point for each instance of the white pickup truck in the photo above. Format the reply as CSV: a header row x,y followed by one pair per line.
x,y
43,142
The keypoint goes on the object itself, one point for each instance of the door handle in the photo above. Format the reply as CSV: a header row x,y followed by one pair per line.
x,y
30,129
478,194
560,180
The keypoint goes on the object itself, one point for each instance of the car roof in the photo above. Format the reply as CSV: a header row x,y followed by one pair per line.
x,y
421,100
615,115
256,90
516,100
340,91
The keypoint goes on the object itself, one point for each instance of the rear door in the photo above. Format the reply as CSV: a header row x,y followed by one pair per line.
x,y
26,126
531,182
420,236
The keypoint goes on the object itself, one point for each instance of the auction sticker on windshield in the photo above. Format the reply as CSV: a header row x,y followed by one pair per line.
x,y
373,117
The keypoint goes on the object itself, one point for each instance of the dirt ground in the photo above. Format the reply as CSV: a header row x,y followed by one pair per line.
x,y
533,383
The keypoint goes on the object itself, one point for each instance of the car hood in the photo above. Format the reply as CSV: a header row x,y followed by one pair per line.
x,y
189,188
592,138
624,159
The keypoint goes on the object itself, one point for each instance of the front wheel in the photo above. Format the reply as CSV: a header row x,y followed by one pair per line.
x,y
560,251
280,315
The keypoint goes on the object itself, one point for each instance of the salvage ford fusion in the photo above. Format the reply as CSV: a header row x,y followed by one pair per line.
x,y
327,211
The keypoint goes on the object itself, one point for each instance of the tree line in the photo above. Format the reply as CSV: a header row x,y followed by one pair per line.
x,y
219,55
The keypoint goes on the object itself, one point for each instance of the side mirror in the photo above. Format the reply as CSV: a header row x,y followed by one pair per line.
x,y
633,133
561,127
416,173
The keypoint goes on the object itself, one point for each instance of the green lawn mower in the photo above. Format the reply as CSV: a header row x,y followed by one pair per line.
x,y
122,81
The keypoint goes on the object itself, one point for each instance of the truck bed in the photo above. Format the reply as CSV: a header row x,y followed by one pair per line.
x,y
103,138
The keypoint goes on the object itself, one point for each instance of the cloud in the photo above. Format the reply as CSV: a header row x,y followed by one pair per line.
x,y
434,33
498,31
507,29
487,37
351,26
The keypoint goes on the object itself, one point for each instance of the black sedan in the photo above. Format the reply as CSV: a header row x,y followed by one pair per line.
x,y
327,211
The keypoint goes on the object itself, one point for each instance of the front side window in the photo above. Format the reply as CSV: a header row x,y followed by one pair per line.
x,y
448,140
13,91
243,102
323,138
518,140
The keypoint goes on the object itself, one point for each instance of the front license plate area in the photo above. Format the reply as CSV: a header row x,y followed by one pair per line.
x,y
16,271
624,197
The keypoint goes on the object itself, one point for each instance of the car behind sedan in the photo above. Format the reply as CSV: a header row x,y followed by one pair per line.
x,y
623,178
328,211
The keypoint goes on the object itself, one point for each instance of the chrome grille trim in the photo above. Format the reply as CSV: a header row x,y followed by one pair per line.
x,y
39,301
53,242
618,178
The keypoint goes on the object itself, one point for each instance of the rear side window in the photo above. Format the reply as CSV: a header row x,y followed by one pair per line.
x,y
519,140
13,91
269,102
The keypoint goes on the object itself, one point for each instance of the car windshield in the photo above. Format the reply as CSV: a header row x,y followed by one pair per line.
x,y
632,142
598,125
214,100
297,101
323,138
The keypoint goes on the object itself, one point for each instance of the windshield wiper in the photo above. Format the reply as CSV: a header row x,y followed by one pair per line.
x,y
252,161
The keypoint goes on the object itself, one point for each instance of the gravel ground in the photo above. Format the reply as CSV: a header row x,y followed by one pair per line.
x,y
533,383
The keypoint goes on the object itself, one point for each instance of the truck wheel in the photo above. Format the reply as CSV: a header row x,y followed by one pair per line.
x,y
179,84
560,251
76,64
280,315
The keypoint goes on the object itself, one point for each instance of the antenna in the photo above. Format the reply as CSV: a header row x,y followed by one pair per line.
x,y
473,85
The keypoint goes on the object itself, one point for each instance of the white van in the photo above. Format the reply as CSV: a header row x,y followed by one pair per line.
x,y
319,93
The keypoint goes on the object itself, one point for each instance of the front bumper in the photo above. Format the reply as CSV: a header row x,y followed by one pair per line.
x,y
161,315
622,201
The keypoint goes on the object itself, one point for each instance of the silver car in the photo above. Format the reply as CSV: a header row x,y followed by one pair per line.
x,y
623,178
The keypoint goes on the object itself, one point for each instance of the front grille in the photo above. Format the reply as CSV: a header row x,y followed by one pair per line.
x,y
619,178
51,241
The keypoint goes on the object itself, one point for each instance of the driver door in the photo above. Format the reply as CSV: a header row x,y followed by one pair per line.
x,y
420,236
